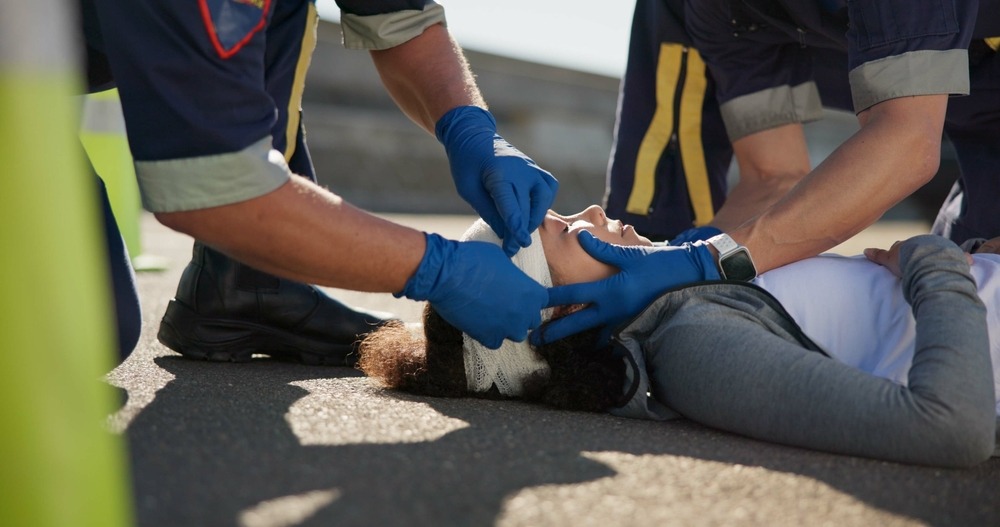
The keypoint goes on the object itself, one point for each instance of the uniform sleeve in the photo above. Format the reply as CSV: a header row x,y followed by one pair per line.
x,y
737,376
900,48
387,23
763,78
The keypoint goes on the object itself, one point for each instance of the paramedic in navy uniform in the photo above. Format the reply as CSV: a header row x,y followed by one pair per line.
x,y
912,69
211,95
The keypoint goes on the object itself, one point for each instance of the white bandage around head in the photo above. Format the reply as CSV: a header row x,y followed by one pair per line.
x,y
509,366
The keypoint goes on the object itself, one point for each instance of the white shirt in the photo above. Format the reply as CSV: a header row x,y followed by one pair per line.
x,y
855,310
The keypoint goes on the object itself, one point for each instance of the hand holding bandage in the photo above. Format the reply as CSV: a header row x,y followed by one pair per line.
x,y
467,283
503,185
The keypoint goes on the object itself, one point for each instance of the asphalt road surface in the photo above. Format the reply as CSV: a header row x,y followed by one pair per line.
x,y
268,443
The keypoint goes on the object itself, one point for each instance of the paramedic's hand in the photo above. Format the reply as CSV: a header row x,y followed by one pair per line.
x,y
695,234
508,190
644,274
477,289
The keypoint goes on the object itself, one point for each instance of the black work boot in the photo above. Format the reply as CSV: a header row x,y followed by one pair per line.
x,y
227,311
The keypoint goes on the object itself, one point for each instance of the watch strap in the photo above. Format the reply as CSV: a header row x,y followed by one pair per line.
x,y
735,262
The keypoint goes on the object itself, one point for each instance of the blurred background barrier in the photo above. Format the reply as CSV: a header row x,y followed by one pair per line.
x,y
366,150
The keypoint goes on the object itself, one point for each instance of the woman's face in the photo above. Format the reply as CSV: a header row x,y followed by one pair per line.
x,y
568,262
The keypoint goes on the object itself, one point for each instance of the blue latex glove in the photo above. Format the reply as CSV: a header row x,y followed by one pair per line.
x,y
508,190
477,289
695,234
644,274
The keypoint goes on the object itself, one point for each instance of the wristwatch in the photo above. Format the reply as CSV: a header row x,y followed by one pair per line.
x,y
734,259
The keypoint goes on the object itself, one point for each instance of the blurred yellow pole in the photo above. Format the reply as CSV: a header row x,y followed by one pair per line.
x,y
59,464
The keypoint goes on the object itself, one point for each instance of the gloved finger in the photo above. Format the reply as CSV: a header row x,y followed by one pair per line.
x,y
490,341
603,252
566,326
585,293
513,207
490,337
552,182
511,241
694,234
535,320
510,246
488,212
542,196
495,221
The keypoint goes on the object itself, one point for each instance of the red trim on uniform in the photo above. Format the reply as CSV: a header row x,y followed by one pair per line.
x,y
206,16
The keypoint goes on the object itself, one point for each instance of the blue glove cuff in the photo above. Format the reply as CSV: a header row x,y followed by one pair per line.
x,y
450,126
420,285
694,234
704,258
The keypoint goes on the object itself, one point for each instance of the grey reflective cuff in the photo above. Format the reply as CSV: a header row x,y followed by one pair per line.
x,y
769,108
192,183
928,72
102,115
388,30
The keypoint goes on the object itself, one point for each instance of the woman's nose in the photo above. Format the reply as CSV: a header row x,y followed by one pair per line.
x,y
595,214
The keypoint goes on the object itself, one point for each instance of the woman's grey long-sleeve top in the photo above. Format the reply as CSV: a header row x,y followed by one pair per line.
x,y
727,355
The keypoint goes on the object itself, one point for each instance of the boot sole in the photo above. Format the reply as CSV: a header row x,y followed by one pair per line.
x,y
228,340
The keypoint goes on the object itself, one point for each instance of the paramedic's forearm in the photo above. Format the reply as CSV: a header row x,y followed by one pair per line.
x,y
896,151
427,76
766,173
304,232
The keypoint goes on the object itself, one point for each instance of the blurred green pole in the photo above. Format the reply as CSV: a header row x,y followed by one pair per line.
x,y
59,463
102,133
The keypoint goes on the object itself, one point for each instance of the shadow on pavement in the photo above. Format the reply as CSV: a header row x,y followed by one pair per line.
x,y
216,442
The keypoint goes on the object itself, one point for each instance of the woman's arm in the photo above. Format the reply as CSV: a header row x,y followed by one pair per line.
x,y
743,378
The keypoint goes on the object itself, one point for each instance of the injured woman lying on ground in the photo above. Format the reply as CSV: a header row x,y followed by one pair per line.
x,y
899,362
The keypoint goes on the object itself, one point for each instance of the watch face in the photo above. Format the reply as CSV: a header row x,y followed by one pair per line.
x,y
738,266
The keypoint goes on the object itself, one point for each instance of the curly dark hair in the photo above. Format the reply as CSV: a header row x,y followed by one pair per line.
x,y
582,376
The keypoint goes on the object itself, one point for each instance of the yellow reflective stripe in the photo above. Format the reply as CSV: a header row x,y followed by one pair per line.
x,y
692,153
668,70
993,42
299,83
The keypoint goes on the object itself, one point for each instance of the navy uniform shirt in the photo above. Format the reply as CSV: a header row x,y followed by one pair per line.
x,y
895,48
211,89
